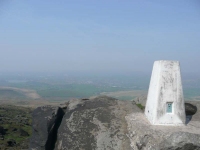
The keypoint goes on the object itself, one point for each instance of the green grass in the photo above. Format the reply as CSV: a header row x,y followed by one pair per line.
x,y
140,106
27,129
15,137
11,116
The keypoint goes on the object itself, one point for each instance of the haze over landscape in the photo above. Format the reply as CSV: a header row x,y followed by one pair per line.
x,y
98,36
65,49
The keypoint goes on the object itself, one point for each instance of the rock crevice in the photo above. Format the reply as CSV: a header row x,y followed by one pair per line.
x,y
46,121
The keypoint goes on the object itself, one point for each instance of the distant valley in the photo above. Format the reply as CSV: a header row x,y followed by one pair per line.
x,y
36,90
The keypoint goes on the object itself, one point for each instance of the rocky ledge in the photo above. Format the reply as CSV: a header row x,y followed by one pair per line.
x,y
105,123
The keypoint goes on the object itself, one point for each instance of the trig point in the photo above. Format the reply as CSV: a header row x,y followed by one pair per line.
x,y
165,102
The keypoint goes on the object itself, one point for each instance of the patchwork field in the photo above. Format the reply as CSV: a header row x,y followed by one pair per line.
x,y
37,90
56,95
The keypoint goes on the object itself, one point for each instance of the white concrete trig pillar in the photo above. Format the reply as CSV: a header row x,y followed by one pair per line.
x,y
165,102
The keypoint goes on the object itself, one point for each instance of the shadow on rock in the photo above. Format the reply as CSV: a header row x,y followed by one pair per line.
x,y
190,110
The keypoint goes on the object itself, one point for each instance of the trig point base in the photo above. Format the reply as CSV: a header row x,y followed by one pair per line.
x,y
165,102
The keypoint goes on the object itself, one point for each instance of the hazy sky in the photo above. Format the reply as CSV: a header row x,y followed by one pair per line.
x,y
98,35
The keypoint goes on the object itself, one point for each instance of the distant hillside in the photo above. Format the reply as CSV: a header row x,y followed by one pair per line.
x,y
11,93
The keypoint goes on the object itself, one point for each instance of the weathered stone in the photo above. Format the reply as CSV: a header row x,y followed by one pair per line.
x,y
181,141
95,124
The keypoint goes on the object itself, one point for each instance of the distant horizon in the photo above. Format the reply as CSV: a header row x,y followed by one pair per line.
x,y
101,73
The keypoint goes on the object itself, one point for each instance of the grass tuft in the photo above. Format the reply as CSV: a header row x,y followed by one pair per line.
x,y
141,106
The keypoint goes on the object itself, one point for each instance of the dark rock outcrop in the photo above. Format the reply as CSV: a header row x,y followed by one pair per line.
x,y
190,109
107,123
46,121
